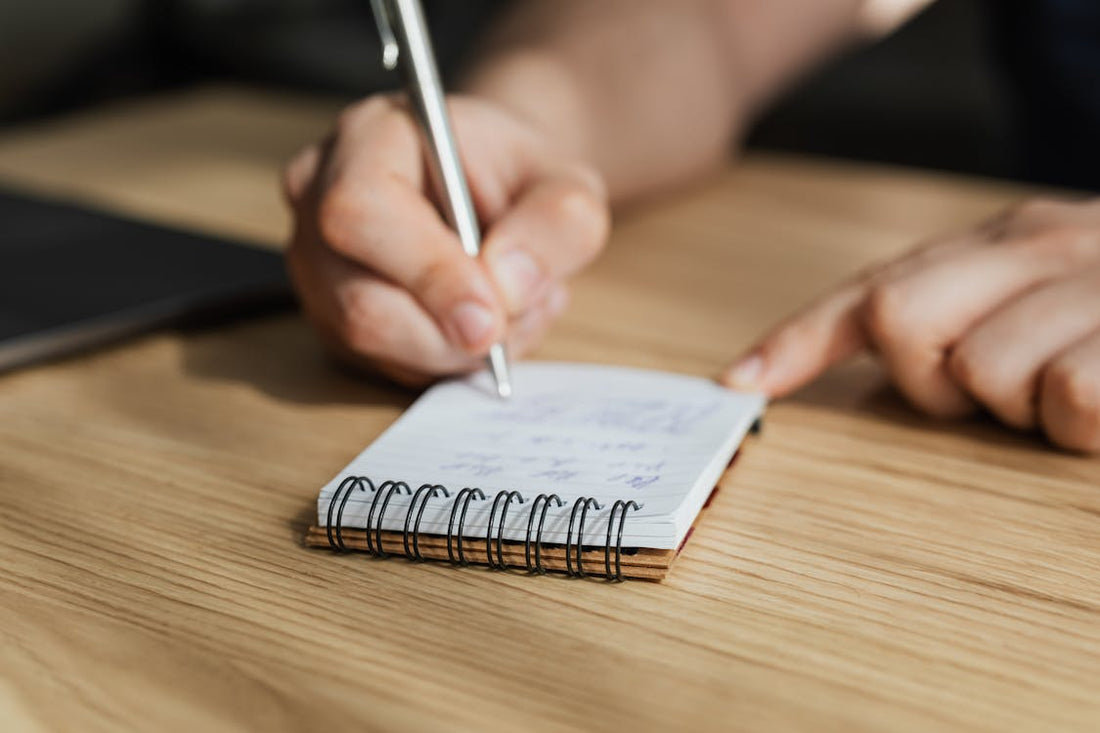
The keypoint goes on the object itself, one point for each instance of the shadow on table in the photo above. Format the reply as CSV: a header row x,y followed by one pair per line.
x,y
300,523
281,357
861,387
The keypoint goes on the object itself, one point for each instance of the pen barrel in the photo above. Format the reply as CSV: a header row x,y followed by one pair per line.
x,y
425,92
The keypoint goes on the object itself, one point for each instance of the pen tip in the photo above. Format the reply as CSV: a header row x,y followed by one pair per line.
x,y
498,364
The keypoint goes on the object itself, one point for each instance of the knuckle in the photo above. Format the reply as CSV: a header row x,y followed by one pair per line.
x,y
968,370
886,312
354,217
340,216
1066,243
352,116
980,375
349,118
382,116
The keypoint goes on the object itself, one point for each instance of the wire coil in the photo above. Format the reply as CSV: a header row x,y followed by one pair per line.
x,y
537,567
382,494
463,499
582,504
432,490
625,506
507,496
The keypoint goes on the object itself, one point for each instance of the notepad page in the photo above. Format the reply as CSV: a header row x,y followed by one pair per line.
x,y
659,439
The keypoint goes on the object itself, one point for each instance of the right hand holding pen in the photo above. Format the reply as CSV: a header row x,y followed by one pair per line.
x,y
384,278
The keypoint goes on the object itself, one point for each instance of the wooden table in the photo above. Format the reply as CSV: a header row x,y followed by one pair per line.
x,y
862,568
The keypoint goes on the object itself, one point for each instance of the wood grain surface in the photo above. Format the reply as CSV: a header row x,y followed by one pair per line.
x,y
862,568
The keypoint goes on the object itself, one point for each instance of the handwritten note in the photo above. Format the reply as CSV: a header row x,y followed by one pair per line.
x,y
574,430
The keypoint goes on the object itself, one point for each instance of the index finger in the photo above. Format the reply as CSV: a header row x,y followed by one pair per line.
x,y
803,346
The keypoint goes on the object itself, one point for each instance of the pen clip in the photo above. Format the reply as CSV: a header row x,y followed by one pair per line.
x,y
390,50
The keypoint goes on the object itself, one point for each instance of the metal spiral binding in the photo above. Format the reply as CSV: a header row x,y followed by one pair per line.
x,y
391,488
546,499
498,514
581,505
431,490
625,506
508,497
347,486
463,498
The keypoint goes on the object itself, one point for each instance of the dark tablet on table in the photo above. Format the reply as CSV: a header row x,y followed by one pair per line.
x,y
72,278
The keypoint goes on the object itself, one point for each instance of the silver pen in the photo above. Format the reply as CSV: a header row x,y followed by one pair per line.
x,y
405,39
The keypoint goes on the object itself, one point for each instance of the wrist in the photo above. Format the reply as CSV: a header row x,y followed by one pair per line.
x,y
539,90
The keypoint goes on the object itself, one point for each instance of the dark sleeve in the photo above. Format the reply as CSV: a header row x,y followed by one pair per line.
x,y
1050,51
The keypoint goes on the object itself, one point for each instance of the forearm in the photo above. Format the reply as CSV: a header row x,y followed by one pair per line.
x,y
651,92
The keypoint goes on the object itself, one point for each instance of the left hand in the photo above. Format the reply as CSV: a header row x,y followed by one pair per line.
x,y
1006,316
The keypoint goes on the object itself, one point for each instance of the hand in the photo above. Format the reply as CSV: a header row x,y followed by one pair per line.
x,y
383,277
1006,316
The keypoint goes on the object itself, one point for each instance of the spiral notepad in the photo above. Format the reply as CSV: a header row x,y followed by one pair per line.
x,y
587,470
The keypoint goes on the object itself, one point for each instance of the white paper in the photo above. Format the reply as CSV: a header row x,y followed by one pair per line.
x,y
575,430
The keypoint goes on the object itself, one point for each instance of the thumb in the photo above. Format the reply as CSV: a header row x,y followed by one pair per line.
x,y
802,347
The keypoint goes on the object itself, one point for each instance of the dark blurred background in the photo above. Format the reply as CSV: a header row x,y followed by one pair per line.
x,y
943,92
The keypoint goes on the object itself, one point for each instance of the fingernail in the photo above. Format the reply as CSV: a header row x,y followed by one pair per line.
x,y
745,374
517,275
473,321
